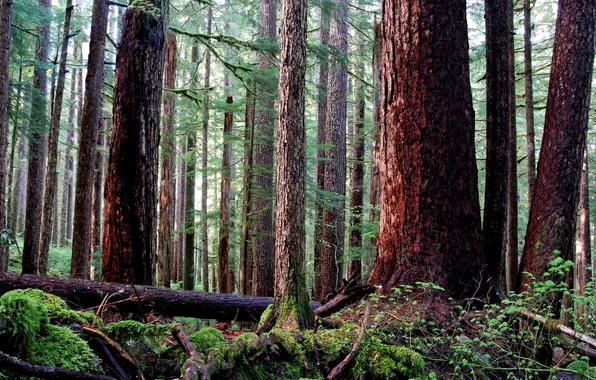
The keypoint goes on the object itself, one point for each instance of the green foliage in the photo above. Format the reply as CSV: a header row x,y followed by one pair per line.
x,y
382,361
207,339
132,333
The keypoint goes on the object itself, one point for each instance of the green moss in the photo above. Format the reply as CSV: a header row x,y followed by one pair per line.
x,y
22,318
246,338
132,333
583,369
333,344
265,315
60,347
207,339
382,361
57,308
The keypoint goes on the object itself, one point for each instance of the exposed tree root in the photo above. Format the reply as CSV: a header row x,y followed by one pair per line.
x,y
349,293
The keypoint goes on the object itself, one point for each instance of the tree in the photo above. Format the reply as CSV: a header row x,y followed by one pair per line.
x,y
51,182
430,215
529,95
291,308
204,226
246,258
37,146
583,247
82,224
335,134
5,33
552,221
375,182
224,210
168,166
262,239
129,242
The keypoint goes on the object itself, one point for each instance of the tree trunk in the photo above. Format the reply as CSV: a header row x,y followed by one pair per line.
x,y
529,102
37,148
321,151
246,258
375,181
10,201
81,240
5,34
583,247
180,209
55,208
95,245
430,215
20,190
204,226
130,229
335,170
51,180
224,209
168,167
263,240
291,307
553,216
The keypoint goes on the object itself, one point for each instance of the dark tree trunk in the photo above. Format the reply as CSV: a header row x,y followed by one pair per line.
x,y
89,117
180,210
263,240
430,215
204,226
246,258
11,199
498,112
168,167
375,181
130,229
529,101
335,170
291,307
321,151
51,180
55,208
553,213
583,247
224,209
37,148
5,34
97,198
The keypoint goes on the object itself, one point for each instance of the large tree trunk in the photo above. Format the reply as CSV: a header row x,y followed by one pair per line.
x,y
263,240
81,240
291,307
529,101
321,151
553,217
204,226
335,169
5,34
168,167
37,148
375,180
246,258
224,209
130,229
144,299
430,215
51,180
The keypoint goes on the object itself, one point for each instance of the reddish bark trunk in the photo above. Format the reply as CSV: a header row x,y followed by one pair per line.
x,y
375,185
224,209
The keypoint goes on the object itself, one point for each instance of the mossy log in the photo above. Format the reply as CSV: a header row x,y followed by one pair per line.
x,y
144,299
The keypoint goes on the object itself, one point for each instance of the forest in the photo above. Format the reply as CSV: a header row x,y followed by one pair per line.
x,y
324,189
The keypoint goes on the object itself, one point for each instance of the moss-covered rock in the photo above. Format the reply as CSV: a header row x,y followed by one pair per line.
x,y
60,347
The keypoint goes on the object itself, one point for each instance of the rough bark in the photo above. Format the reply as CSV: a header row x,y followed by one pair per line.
x,y
553,217
321,151
335,170
291,307
430,215
224,209
5,34
263,240
246,258
130,229
37,149
89,117
204,226
51,180
529,96
168,167
375,181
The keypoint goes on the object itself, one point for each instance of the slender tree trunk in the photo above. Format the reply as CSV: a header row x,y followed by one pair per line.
x,y
335,170
375,181
553,216
97,198
498,111
168,167
246,257
37,149
529,101
20,189
5,34
130,229
583,247
10,201
51,180
224,210
291,307
262,239
321,151
180,209
430,213
55,207
204,226
81,240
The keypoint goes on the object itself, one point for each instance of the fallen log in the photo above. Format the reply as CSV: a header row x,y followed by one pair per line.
x,y
144,299
556,325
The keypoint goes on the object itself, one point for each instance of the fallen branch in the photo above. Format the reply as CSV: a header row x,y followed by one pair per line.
x,y
340,371
194,364
348,294
109,358
555,325
45,372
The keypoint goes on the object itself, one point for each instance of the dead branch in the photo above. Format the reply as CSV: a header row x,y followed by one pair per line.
x,y
555,325
194,363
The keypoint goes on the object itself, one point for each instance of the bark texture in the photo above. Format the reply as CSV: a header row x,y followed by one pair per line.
x,y
529,101
91,112
375,181
224,209
246,258
553,212
357,185
430,215
204,226
168,167
130,229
